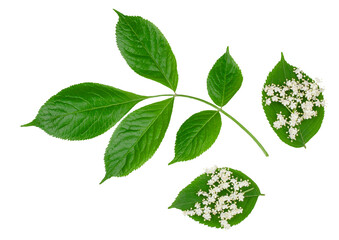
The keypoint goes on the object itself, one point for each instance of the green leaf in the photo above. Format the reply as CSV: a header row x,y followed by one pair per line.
x,y
308,127
146,50
196,135
224,80
84,111
188,197
137,138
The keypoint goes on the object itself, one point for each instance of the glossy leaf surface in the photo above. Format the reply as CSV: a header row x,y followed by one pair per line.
x,y
196,135
224,80
137,138
146,50
84,111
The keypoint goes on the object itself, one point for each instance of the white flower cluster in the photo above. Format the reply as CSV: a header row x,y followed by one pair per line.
x,y
299,96
221,198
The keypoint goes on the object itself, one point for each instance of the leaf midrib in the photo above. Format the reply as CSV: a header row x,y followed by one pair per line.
x,y
144,132
191,140
156,63
100,107
224,85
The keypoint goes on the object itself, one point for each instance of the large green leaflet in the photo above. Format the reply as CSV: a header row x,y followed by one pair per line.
x,y
84,111
196,135
146,50
224,79
308,128
187,198
137,138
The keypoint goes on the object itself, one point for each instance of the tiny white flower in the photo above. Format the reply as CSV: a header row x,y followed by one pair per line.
x,y
268,101
210,182
198,211
293,105
215,178
190,213
225,215
218,207
207,209
275,99
244,183
211,200
211,170
285,102
292,133
270,91
233,206
297,70
225,224
277,125
206,216
241,197
214,190
233,196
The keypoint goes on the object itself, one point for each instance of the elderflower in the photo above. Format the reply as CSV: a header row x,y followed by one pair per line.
x,y
301,97
220,200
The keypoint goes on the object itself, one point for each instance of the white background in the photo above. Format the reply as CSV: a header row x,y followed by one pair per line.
x,y
49,188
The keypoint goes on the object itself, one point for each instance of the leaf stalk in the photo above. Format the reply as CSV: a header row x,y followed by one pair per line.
x,y
220,110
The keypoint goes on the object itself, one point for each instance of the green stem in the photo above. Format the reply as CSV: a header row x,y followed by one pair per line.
x,y
220,110
255,195
248,190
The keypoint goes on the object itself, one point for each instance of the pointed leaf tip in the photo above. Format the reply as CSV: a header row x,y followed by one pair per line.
x,y
119,13
282,56
228,49
28,124
171,162
103,180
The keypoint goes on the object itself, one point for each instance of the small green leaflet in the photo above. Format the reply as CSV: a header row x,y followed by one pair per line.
x,y
137,138
224,80
223,190
196,135
302,91
84,111
146,50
